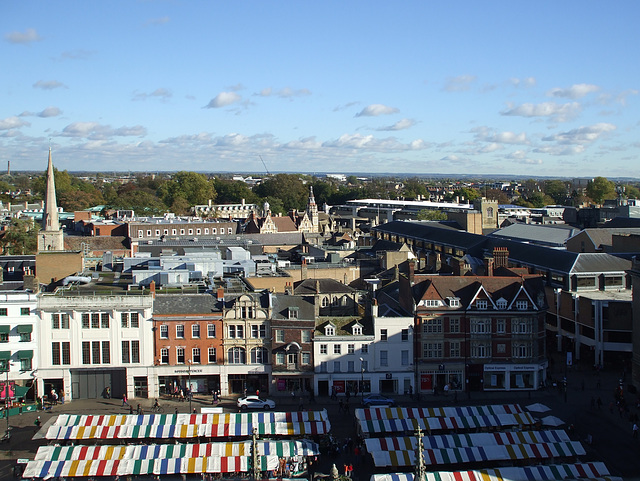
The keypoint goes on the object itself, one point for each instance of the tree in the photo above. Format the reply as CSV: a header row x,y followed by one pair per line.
x,y
193,187
430,214
557,190
414,188
140,201
601,189
20,238
288,188
234,192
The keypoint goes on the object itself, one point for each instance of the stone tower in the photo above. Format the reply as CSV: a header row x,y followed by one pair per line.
x,y
50,238
312,210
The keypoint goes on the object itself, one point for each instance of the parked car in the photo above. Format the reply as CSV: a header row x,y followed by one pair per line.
x,y
377,400
255,402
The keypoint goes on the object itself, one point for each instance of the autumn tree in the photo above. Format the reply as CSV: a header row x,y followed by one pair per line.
x,y
601,189
557,190
19,238
431,214
288,188
193,187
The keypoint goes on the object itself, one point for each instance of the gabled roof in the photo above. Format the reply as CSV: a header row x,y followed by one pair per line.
x,y
281,303
344,325
321,286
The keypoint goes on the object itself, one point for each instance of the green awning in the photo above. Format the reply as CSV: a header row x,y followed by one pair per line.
x,y
26,354
5,355
25,329
5,329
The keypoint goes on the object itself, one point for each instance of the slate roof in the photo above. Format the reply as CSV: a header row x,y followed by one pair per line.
x,y
343,325
434,231
324,286
282,302
604,236
551,235
185,304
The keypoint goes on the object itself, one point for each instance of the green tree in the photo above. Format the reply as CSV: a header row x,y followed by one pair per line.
x,y
288,188
557,190
193,187
632,192
430,214
233,192
141,202
414,188
601,189
20,238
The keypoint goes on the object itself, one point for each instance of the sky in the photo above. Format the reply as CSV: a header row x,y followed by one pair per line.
x,y
534,88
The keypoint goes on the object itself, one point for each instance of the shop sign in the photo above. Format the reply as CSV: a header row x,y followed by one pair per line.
x,y
426,382
186,371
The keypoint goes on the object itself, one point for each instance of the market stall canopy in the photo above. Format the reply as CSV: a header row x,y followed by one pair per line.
x,y
538,408
552,421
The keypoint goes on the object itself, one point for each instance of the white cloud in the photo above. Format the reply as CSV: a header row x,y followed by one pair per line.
x,y
561,150
528,161
517,155
223,99
485,134
581,135
309,143
374,110
451,158
12,123
576,91
48,85
490,148
460,83
374,144
160,93
399,125
26,37
345,106
526,82
97,131
557,112
49,112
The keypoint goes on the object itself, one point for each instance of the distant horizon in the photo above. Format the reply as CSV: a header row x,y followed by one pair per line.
x,y
534,89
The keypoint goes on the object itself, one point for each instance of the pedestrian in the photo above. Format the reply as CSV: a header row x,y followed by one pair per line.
x,y
138,409
340,405
130,409
350,470
634,429
446,389
411,391
293,395
300,405
124,400
176,411
108,392
195,411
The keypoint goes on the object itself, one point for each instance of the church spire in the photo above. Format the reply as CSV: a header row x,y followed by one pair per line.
x,y
50,220
312,210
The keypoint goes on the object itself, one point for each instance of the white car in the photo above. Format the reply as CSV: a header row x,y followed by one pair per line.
x,y
255,402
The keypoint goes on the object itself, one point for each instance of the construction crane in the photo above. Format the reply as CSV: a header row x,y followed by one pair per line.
x,y
265,165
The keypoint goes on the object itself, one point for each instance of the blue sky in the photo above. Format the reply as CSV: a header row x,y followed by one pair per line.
x,y
543,88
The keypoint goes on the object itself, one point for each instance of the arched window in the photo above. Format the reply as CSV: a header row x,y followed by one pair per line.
x,y
237,355
335,301
325,301
345,301
259,355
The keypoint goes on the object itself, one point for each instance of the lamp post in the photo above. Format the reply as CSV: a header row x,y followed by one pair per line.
x,y
190,393
362,378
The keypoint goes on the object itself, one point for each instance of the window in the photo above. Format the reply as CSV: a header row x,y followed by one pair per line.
x,y
521,326
292,359
195,355
55,353
126,356
212,355
237,355
454,349
306,358
4,337
522,350
364,348
124,319
305,336
164,331
190,231
384,358
135,320
246,312
149,233
432,350
25,364
195,331
181,231
351,348
211,330
404,358
325,302
259,332
323,349
59,321
336,366
454,302
104,320
180,331
236,331
85,321
383,334
454,326
86,352
351,366
405,335
180,359
259,355
280,358
95,352
164,355
481,326
25,311
501,326
482,304
95,320
432,326
106,352
357,330
337,349
329,331
140,234
480,350
501,303
431,303
279,335
25,336
293,312
522,305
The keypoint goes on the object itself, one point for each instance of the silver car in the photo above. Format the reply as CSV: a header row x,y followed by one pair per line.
x,y
255,402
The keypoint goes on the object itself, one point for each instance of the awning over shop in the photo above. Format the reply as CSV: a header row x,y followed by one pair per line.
x,y
5,355
25,329
5,329
25,354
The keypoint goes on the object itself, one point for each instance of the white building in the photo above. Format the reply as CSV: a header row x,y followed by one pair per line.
x,y
19,340
89,343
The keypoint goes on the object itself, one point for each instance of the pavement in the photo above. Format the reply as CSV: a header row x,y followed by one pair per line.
x,y
611,431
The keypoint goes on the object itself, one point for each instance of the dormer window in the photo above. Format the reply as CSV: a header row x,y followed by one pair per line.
x,y
482,304
293,312
357,330
501,303
330,330
454,302
522,305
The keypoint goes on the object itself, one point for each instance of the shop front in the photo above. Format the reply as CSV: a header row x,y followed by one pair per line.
x,y
292,382
248,383
173,379
435,380
513,377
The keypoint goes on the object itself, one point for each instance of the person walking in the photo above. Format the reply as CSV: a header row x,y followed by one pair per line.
x,y
634,429
124,400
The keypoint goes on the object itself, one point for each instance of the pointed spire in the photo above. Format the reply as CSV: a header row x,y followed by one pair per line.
x,y
50,220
